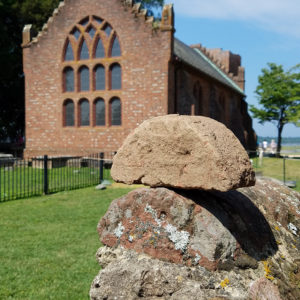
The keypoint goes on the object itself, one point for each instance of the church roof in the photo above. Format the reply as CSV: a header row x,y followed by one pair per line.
x,y
196,59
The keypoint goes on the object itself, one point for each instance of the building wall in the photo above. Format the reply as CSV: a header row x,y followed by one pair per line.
x,y
197,94
145,66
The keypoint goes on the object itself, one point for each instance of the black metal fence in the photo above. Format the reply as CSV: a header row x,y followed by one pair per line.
x,y
44,175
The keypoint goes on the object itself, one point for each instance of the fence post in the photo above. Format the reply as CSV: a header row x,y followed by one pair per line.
x,y
45,174
101,167
284,170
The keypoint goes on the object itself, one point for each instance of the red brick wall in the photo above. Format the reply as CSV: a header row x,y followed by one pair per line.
x,y
226,106
145,81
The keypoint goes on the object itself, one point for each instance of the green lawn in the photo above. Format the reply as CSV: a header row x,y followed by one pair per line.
x,y
48,244
273,167
290,150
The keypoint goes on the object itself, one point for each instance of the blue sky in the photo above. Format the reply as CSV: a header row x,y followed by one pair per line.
x,y
260,31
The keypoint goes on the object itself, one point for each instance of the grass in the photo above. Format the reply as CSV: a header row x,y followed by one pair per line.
x,y
290,150
273,167
48,244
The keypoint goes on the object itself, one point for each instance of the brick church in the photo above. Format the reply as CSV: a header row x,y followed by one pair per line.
x,y
99,68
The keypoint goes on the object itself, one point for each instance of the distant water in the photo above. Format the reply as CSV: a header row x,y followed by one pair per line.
x,y
286,141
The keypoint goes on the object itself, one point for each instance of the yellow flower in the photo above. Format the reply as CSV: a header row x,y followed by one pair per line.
x,y
224,283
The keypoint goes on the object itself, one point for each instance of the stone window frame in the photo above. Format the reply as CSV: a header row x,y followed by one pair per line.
x,y
64,80
111,66
79,112
64,119
82,30
79,79
110,111
94,83
95,111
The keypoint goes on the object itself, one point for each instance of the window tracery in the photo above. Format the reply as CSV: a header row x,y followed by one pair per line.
x,y
95,43
69,52
84,51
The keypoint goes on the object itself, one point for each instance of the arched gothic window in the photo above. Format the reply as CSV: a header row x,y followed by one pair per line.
x,y
76,33
107,29
115,50
91,31
68,113
84,51
84,78
68,75
115,77
92,39
69,52
102,40
99,112
100,52
84,112
115,112
99,73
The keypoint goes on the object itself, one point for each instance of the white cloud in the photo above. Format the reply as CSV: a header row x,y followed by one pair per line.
x,y
282,16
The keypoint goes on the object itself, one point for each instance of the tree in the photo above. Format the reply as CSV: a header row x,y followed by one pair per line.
x,y
14,14
279,95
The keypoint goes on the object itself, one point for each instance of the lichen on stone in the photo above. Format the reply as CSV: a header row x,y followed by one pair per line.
x,y
119,230
130,238
267,271
197,258
293,228
149,209
179,238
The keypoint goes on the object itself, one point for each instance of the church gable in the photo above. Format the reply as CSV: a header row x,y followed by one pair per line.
x,y
115,6
97,69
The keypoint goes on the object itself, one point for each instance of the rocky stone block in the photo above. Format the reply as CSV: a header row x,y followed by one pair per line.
x,y
174,244
140,277
187,152
189,227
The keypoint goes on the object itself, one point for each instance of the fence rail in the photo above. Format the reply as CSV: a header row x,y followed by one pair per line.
x,y
44,175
